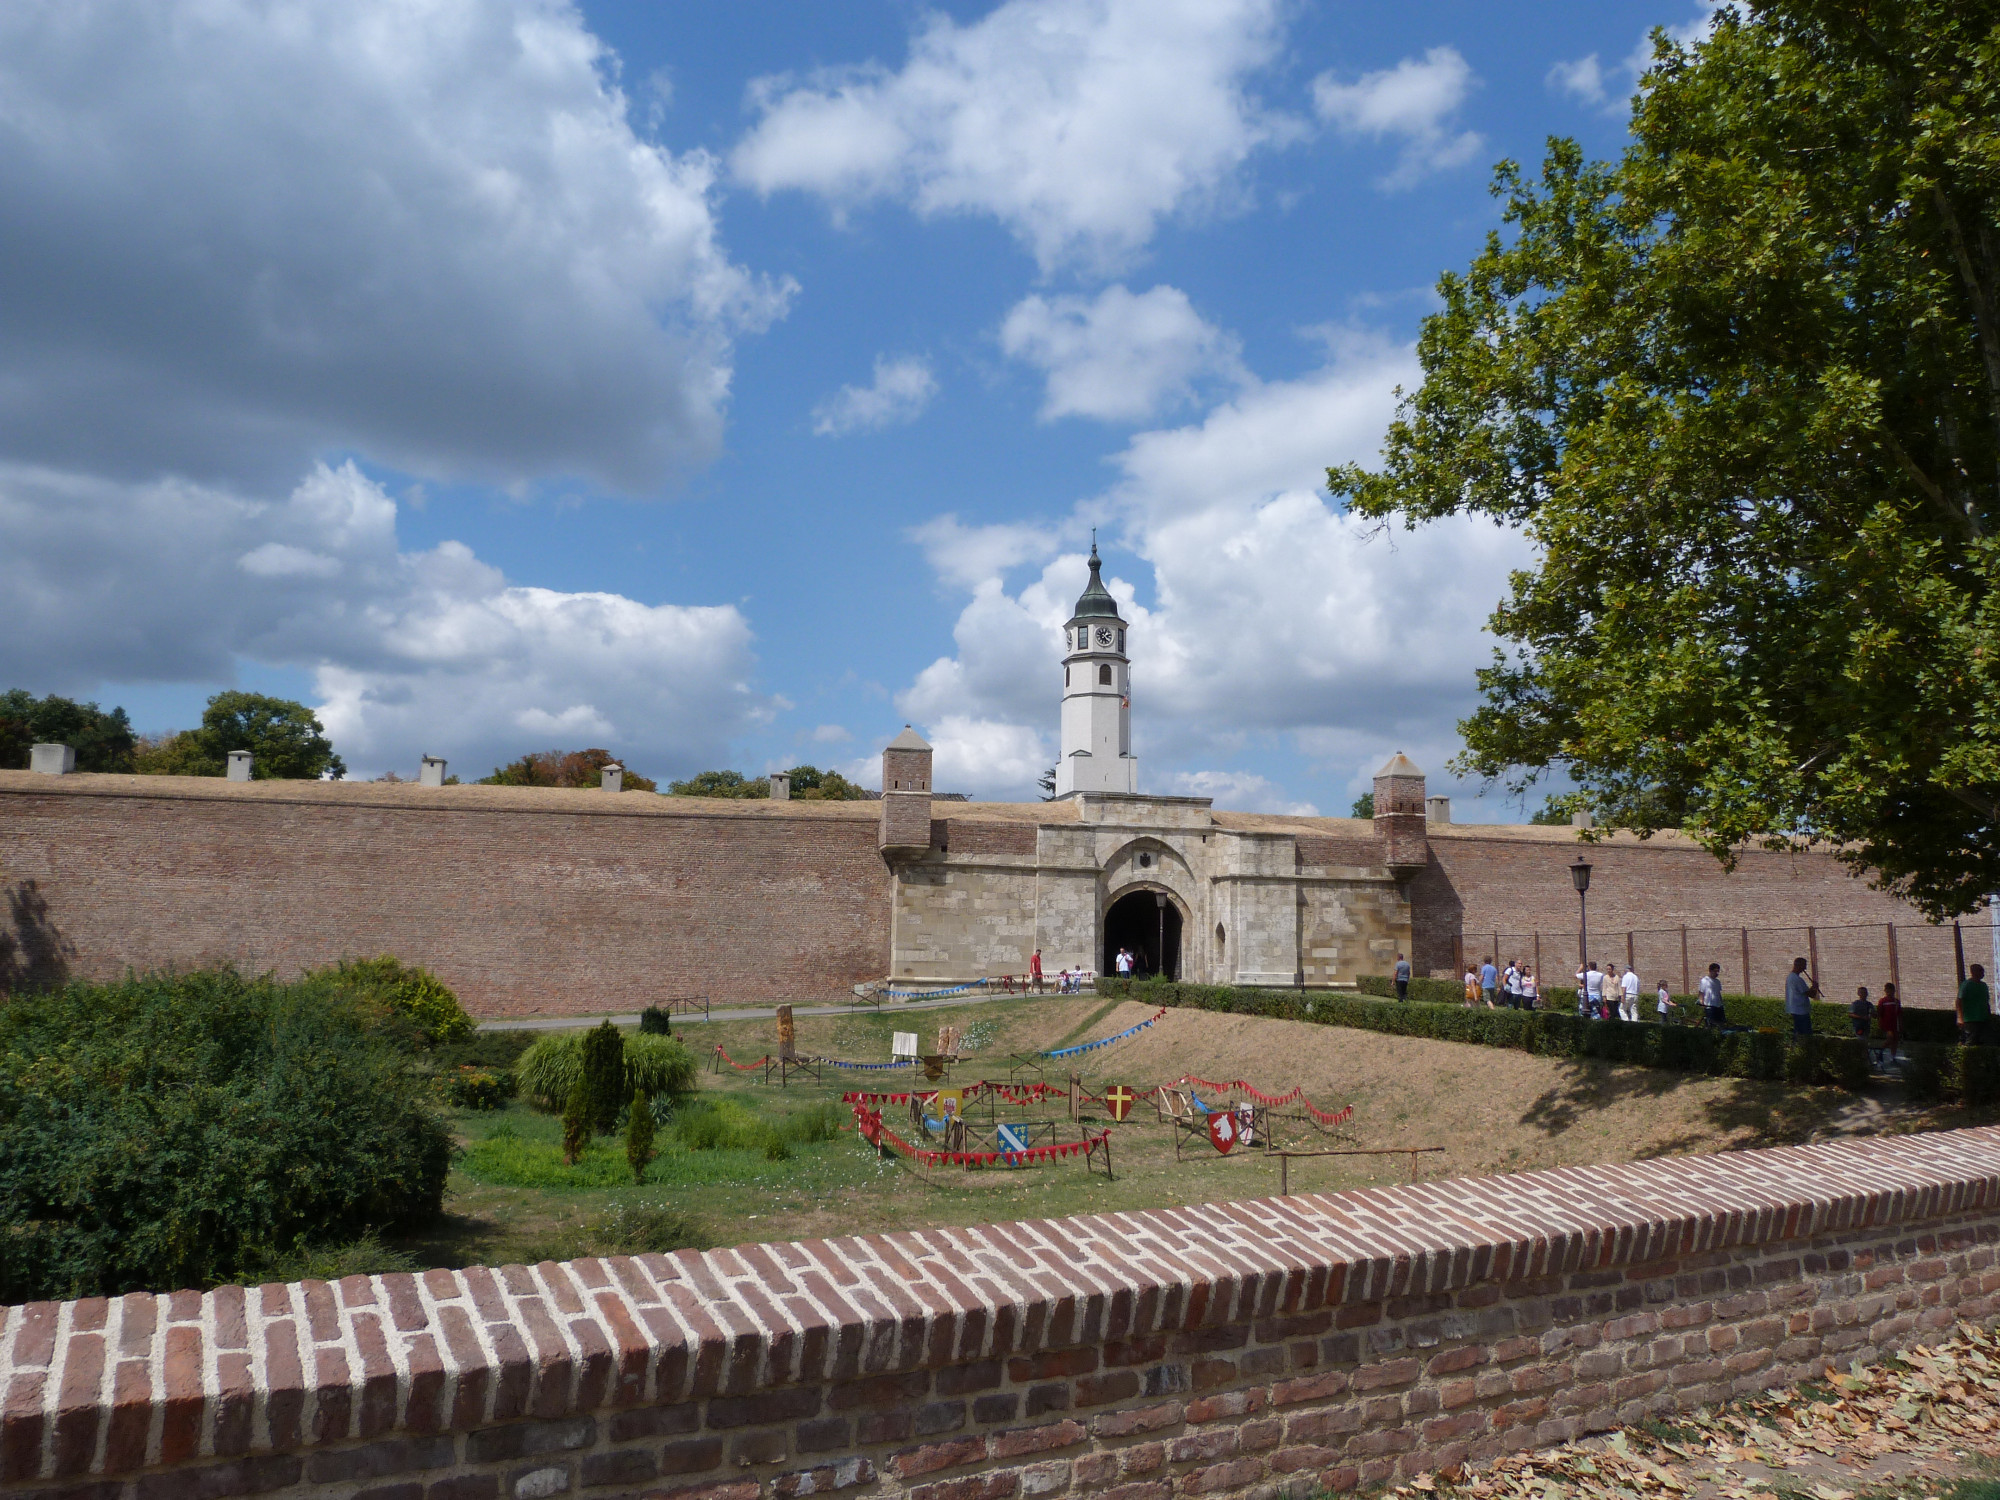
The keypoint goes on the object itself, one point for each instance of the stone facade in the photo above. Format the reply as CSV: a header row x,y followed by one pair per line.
x,y
1260,1349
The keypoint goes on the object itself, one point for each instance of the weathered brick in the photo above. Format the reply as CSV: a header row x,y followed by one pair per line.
x,y
1018,1442
1117,1424
914,1463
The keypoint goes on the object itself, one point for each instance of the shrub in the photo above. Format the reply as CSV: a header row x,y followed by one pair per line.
x,y
576,1131
639,1135
660,1065
496,1051
603,1075
468,1087
176,1130
415,997
655,1021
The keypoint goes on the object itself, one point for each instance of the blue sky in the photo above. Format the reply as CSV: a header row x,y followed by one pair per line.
x,y
733,384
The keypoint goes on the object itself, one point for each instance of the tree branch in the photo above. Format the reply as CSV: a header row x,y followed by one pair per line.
x,y
1961,516
1985,329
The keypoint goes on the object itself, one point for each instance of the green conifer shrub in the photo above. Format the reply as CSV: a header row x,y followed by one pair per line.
x,y
639,1136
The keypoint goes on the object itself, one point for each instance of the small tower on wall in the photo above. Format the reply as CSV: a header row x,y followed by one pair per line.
x,y
906,793
1097,696
1399,816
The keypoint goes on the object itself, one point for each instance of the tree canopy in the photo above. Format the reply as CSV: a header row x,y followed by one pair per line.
x,y
1741,389
565,768
285,740
102,741
809,784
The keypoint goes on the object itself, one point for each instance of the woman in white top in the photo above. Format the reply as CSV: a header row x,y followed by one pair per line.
x,y
1528,991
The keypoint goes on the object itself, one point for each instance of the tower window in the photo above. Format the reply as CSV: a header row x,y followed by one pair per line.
x,y
1065,676
1104,675
1121,642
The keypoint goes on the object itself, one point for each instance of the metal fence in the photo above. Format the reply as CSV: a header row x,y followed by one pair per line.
x,y
1926,963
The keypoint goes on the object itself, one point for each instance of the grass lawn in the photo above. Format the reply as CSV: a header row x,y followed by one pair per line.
x,y
512,1199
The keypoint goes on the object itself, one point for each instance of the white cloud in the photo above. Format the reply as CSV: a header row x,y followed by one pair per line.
x,y
965,556
1412,103
902,388
412,653
1239,791
977,756
831,734
240,236
1078,124
1590,82
1582,80
1118,356
1273,612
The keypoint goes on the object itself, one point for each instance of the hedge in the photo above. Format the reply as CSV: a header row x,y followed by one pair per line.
x,y
1919,1025
1841,1061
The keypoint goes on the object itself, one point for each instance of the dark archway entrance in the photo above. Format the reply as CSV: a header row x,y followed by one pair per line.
x,y
1149,924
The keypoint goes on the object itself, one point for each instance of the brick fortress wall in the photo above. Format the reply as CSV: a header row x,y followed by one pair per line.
x,y
1236,1349
527,902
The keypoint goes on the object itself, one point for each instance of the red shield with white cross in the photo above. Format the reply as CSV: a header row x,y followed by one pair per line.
x,y
1118,1101
1222,1130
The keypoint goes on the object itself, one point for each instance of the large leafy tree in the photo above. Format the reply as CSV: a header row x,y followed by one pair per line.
x,y
285,740
1742,390
102,740
573,768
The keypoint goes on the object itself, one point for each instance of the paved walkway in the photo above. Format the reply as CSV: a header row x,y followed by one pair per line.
x,y
753,1013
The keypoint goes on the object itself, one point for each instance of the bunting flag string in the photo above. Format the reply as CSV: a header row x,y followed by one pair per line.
x,y
740,1067
869,1123
933,994
1013,1093
836,1062
1296,1096
1105,1041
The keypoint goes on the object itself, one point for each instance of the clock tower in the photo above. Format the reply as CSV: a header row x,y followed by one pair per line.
x,y
1097,696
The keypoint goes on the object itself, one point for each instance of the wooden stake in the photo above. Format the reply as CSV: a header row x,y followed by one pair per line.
x,y
1895,973
1746,960
1812,954
1687,984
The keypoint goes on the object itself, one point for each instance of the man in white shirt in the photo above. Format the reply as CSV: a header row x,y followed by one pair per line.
x,y
1628,1007
1593,990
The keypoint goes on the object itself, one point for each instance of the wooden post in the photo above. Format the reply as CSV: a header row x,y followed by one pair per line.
x,y
1284,1175
1631,951
1746,961
1895,973
1496,947
1075,1088
1687,983
1538,961
1812,955
1958,950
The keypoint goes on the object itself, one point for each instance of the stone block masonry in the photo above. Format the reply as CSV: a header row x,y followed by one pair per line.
x,y
1251,1349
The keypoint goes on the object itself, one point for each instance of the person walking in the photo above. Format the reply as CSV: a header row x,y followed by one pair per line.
x,y
1628,1004
1123,963
1593,990
1861,1011
1510,985
1712,1013
1800,992
1471,988
1889,1016
1035,970
1529,994
1489,977
1666,1005
1402,977
1975,1009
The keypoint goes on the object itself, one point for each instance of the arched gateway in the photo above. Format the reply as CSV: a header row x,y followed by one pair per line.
x,y
1149,923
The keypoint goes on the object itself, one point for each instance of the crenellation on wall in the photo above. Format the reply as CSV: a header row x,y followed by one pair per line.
x,y
1322,1340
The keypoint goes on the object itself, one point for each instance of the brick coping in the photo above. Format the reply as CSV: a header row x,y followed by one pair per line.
x,y
109,1386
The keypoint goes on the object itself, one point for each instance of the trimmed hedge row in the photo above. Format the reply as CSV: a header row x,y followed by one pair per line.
x,y
1919,1025
1841,1061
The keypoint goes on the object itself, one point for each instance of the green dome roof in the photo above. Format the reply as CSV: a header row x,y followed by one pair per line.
x,y
1096,598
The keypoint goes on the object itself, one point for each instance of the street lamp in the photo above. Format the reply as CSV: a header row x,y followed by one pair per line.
x,y
1160,900
1579,874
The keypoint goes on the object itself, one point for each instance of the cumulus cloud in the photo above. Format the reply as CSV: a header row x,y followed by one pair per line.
x,y
1273,611
1591,82
1078,124
965,556
1239,791
1412,103
1582,80
1118,356
412,653
902,388
237,234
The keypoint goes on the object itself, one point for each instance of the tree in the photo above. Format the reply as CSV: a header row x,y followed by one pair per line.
x,y
810,784
720,784
603,1076
565,768
1047,783
285,740
102,741
1555,811
1742,391
1364,806
639,1135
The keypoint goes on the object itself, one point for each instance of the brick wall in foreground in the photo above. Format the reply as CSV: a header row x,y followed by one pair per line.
x,y
1234,1349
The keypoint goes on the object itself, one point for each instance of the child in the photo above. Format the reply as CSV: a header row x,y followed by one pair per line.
x,y
1471,987
1666,1006
1862,1013
1889,1016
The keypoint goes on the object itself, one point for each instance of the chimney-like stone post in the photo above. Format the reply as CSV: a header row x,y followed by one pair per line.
x,y
239,765
52,760
431,773
906,793
1437,809
781,786
612,778
1399,816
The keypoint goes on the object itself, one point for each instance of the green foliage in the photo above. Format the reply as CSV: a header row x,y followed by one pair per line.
x,y
574,768
576,1131
724,1124
468,1087
102,741
656,1021
416,997
1556,811
549,1068
1742,391
1364,806
497,1051
605,1090
639,1135
175,753
1838,1060
809,784
1046,784
285,739
179,1129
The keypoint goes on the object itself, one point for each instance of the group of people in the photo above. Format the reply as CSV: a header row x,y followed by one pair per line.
x,y
1603,994
1067,983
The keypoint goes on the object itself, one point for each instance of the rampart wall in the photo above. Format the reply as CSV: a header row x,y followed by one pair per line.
x,y
526,902
1241,1349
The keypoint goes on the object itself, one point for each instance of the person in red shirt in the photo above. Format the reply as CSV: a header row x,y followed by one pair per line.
x,y
1889,1016
1035,971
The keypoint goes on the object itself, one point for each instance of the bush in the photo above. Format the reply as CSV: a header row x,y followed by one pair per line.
x,y
548,1069
605,1090
654,1021
468,1087
415,997
639,1136
178,1130
1842,1061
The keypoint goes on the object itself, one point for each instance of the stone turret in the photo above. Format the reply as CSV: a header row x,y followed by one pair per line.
x,y
906,793
1399,816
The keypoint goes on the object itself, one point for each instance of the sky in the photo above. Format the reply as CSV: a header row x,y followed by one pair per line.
x,y
732,385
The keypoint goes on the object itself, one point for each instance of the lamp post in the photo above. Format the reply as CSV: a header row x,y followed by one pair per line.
x,y
1160,900
1579,874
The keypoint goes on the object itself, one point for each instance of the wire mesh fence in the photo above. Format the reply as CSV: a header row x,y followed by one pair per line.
x,y
1926,963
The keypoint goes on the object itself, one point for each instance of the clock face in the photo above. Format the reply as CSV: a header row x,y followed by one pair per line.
x,y
1104,635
